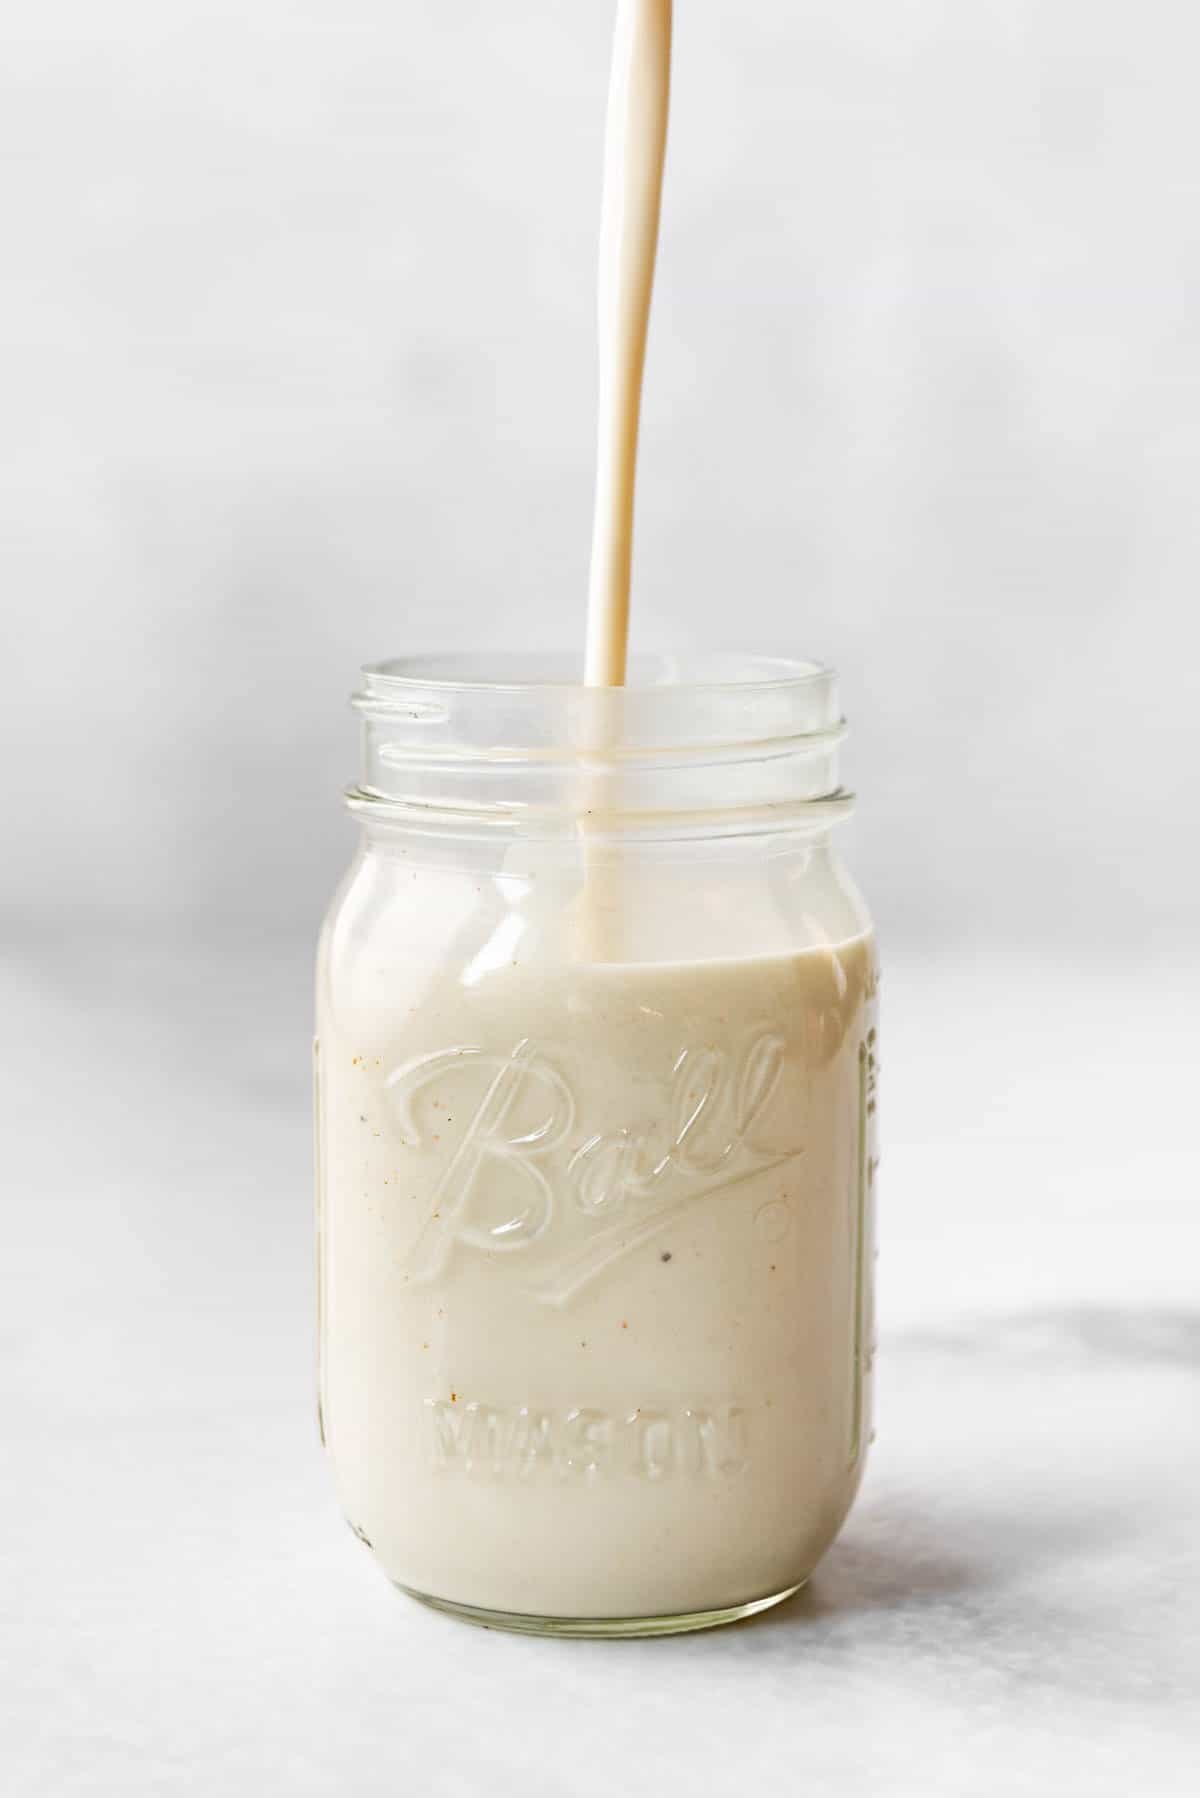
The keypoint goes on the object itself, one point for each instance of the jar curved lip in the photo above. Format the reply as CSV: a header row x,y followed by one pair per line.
x,y
540,672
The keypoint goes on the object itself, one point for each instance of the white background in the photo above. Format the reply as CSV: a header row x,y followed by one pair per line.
x,y
296,350
299,372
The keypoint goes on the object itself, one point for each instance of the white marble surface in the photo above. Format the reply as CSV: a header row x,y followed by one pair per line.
x,y
1012,1608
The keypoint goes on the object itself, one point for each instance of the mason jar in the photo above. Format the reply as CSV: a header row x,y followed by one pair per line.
x,y
596,1072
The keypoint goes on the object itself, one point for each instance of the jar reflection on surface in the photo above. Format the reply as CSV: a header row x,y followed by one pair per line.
x,y
596,1093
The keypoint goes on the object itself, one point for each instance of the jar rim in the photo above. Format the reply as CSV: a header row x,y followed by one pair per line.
x,y
521,672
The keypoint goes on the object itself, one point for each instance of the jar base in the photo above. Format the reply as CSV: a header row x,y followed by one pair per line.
x,y
600,1627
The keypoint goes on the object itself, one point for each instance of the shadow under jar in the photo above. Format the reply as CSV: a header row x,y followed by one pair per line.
x,y
596,1086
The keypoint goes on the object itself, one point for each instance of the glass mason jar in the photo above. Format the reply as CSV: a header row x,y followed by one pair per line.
x,y
596,1075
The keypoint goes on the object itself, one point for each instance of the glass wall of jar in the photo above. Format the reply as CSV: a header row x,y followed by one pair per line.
x,y
596,1087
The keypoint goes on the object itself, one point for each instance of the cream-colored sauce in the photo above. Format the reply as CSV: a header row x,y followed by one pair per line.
x,y
596,1269
635,147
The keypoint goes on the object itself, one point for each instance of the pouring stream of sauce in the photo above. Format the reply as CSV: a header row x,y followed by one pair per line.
x,y
635,147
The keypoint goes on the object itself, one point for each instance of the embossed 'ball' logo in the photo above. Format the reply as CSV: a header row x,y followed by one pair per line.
x,y
514,1112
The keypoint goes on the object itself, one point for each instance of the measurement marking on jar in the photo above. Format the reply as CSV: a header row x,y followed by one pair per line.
x,y
586,1443
868,1074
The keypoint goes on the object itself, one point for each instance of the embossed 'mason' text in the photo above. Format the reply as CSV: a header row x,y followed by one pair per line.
x,y
585,1443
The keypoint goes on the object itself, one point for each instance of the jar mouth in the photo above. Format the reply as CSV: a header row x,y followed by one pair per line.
x,y
533,672
514,738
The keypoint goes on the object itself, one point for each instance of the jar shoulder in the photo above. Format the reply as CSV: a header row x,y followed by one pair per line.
x,y
398,918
